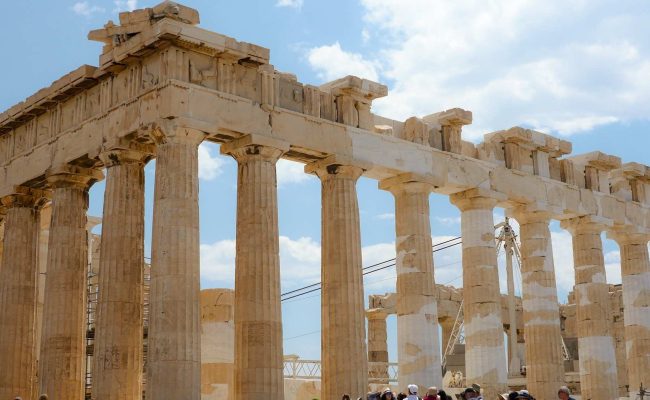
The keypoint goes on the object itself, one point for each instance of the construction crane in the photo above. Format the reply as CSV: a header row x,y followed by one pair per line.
x,y
506,239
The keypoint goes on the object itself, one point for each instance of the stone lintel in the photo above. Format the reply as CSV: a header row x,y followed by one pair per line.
x,y
628,235
358,88
587,223
410,181
254,140
476,198
598,160
453,116
636,171
72,176
336,164
531,140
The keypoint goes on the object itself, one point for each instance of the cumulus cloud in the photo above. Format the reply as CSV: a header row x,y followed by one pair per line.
x,y
289,3
385,216
559,66
210,163
332,62
86,9
125,5
291,172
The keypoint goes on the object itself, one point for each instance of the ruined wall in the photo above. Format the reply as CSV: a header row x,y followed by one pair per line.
x,y
569,334
217,344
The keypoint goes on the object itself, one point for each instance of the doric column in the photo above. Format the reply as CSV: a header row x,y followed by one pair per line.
x,y
258,312
635,271
117,357
63,343
417,310
18,293
598,379
541,312
485,354
174,352
377,348
344,368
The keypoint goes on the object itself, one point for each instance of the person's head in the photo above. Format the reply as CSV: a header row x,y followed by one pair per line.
x,y
412,389
401,396
345,397
470,393
442,394
387,394
563,393
43,397
432,391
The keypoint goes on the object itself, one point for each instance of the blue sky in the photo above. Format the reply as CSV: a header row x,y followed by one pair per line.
x,y
574,68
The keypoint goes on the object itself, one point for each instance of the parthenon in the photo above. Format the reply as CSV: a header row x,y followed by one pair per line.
x,y
164,85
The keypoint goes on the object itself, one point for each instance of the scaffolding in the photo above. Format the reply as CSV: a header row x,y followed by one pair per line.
x,y
92,292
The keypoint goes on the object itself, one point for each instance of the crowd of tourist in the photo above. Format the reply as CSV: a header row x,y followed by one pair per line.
x,y
473,392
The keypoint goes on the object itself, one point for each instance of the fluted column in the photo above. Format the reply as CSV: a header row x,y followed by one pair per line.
x,y
485,354
635,271
541,313
63,346
418,346
258,312
174,352
344,368
377,348
598,378
18,273
117,357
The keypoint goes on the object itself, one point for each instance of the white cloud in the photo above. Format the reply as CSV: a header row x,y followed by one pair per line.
x,y
125,5
289,3
86,9
289,172
332,62
385,216
448,220
210,166
559,66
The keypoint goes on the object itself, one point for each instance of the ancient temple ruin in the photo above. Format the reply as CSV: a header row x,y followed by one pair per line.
x,y
163,85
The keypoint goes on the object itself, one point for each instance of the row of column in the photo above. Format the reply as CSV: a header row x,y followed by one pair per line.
x,y
173,369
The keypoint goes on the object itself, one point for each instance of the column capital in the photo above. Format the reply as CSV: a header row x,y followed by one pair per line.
x,y
623,235
72,176
129,153
409,183
24,196
337,166
376,313
173,131
531,213
585,224
476,198
255,146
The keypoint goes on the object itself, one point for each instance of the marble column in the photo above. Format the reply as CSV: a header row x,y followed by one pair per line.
x,y
63,343
174,352
117,358
485,354
377,348
258,312
598,378
635,271
344,368
541,313
18,277
418,345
